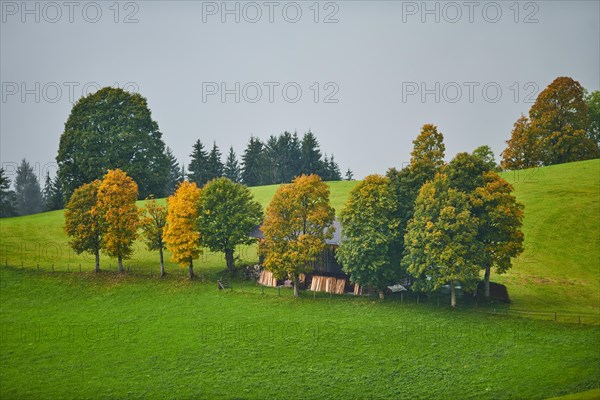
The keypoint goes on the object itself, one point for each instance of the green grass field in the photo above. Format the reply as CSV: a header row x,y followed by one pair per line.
x,y
84,335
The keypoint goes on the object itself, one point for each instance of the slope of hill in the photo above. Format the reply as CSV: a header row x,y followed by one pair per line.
x,y
559,271
561,265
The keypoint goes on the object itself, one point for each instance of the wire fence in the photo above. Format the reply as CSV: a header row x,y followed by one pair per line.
x,y
242,285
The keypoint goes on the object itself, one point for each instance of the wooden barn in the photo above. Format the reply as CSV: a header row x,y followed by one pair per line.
x,y
327,274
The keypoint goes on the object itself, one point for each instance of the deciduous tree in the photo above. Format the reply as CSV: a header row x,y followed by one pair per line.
x,y
441,245
500,219
109,129
298,221
119,214
153,223
227,213
181,231
369,251
82,222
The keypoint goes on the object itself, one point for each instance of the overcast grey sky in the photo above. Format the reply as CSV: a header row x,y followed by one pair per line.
x,y
369,72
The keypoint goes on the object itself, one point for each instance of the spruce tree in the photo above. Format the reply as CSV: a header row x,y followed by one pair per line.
x,y
8,199
198,168
215,165
174,172
232,168
310,154
253,160
27,189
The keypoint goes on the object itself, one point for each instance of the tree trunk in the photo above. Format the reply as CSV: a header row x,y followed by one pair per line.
x,y
296,285
97,266
452,295
120,262
487,281
191,269
381,295
230,261
162,262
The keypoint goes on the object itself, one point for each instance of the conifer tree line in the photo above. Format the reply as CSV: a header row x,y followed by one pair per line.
x,y
277,160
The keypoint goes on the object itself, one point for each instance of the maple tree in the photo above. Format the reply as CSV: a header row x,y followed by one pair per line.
x,y
181,233
152,223
500,219
82,223
118,214
228,212
440,242
369,251
298,221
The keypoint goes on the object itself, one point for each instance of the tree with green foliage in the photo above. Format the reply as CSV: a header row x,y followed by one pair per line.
x,y
369,249
111,129
486,154
153,224
427,156
52,194
593,103
214,165
119,214
298,221
465,172
82,222
227,213
441,245
175,177
27,190
500,219
560,121
232,168
253,163
198,167
8,198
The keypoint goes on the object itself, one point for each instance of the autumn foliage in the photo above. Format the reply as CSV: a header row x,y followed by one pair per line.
x,y
298,221
82,224
153,223
181,231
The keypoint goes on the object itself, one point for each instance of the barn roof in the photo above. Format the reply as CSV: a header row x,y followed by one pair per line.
x,y
337,235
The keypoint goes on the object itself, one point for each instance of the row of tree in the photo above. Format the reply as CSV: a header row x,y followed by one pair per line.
x,y
112,128
103,216
435,223
27,197
563,126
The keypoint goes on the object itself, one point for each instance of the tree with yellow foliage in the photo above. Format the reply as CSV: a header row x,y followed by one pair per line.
x,y
298,221
181,231
153,224
119,215
82,224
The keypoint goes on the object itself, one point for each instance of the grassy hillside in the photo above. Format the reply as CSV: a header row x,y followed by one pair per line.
x,y
558,272
104,337
560,268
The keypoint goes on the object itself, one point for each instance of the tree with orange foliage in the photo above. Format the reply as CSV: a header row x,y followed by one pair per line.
x,y
153,224
81,222
298,221
181,231
119,215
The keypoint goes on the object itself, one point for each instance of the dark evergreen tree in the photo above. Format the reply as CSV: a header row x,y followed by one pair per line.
x,y
272,160
253,160
232,168
8,199
174,172
334,170
27,189
349,175
310,154
214,164
111,129
198,168
47,190
56,199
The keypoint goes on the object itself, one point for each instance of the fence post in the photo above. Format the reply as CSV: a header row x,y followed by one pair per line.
x,y
52,267
555,316
80,267
38,266
580,319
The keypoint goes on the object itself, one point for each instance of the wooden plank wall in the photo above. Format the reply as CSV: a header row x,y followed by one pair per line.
x,y
327,284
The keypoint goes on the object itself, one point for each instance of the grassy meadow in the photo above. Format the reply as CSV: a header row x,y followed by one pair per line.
x,y
105,336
